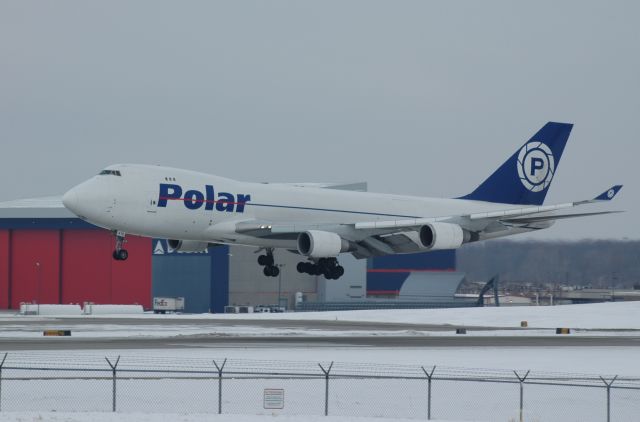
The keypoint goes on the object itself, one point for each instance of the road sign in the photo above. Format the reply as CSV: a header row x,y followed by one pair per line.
x,y
273,398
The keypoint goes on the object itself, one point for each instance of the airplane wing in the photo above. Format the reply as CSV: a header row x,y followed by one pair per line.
x,y
402,236
554,217
506,214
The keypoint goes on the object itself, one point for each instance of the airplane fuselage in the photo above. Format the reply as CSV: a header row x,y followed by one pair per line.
x,y
171,203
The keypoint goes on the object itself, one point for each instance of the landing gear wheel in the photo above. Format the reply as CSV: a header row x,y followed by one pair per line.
x,y
266,260
120,254
328,274
123,254
328,267
302,267
271,271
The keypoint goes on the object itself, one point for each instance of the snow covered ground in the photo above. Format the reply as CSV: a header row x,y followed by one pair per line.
x,y
453,400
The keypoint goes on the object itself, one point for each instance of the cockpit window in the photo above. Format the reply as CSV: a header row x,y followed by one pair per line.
x,y
110,172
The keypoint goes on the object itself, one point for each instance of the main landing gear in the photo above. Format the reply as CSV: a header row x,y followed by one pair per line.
x,y
328,267
267,261
120,254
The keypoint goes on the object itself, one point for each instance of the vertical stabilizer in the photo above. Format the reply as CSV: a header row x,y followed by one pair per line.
x,y
525,178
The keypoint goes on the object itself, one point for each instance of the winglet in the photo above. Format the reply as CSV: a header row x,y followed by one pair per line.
x,y
609,194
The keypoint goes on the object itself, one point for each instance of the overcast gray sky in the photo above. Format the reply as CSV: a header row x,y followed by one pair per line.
x,y
415,97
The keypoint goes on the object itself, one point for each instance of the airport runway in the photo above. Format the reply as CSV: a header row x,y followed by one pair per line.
x,y
391,335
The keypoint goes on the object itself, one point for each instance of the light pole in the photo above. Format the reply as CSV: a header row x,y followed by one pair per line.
x,y
38,286
280,266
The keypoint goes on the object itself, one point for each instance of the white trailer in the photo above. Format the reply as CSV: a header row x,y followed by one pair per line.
x,y
162,305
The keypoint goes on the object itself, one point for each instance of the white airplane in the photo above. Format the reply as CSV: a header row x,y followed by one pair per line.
x,y
195,210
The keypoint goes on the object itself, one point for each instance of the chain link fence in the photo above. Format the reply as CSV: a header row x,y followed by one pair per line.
x,y
83,382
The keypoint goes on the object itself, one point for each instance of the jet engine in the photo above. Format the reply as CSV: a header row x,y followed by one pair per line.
x,y
187,245
435,236
321,244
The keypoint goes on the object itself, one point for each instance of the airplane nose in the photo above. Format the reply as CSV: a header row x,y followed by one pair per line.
x,y
90,200
70,200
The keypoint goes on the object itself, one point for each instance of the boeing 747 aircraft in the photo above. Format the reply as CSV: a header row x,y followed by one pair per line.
x,y
196,210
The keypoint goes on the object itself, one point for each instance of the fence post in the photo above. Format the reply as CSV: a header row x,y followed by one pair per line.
x,y
1,366
609,384
429,378
220,368
114,367
522,380
326,387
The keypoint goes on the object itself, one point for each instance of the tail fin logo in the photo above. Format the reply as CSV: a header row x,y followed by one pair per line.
x,y
536,166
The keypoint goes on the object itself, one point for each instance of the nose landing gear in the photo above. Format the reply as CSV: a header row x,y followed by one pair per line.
x,y
120,254
267,261
328,267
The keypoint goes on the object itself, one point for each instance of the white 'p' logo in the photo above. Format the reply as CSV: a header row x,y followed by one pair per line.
x,y
536,166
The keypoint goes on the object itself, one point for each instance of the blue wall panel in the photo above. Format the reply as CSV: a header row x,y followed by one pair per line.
x,y
219,278
183,276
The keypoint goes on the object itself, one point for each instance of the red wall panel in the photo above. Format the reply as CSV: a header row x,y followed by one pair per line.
x,y
131,279
4,268
35,266
86,266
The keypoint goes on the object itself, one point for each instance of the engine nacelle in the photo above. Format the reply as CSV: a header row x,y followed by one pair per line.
x,y
321,244
435,236
187,245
